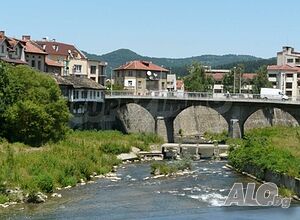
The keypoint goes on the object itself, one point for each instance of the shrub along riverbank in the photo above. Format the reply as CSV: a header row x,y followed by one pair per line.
x,y
276,149
64,163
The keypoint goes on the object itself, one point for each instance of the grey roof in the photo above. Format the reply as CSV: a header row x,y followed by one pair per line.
x,y
77,82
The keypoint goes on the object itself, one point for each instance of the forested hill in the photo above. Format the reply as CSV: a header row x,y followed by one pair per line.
x,y
179,65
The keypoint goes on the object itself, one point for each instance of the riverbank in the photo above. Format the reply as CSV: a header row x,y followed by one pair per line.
x,y
270,154
27,173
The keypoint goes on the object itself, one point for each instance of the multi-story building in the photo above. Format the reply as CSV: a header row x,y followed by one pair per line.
x,y
11,50
171,82
286,74
141,77
66,59
34,54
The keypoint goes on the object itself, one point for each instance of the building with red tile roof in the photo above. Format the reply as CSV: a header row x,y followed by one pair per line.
x,y
11,50
34,54
286,74
141,76
65,59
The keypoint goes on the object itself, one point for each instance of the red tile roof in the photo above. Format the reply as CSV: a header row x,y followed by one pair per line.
x,y
220,76
216,76
249,76
62,49
32,47
283,68
50,62
141,65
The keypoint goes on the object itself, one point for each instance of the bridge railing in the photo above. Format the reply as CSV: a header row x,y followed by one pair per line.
x,y
194,95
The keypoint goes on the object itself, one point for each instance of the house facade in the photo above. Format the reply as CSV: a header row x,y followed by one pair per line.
x,y
286,74
141,77
11,50
66,60
34,54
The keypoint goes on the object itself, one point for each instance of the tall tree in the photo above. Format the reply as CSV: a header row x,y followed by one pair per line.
x,y
261,80
198,80
233,81
32,108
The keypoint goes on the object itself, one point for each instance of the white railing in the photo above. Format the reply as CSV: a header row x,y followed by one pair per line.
x,y
197,96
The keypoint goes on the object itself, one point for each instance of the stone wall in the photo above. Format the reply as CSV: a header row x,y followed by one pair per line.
x,y
280,179
269,117
196,120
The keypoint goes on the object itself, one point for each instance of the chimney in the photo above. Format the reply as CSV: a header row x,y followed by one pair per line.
x,y
26,37
2,34
53,40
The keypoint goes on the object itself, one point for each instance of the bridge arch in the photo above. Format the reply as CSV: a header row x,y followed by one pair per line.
x,y
132,118
268,117
196,120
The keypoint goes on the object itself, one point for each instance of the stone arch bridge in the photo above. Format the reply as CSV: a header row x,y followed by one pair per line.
x,y
160,115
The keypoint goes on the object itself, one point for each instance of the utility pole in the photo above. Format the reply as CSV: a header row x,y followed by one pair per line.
x,y
240,82
234,79
111,81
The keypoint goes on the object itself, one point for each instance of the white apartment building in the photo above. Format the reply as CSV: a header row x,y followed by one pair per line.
x,y
286,74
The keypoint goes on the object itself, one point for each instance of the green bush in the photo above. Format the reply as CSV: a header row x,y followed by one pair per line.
x,y
258,149
32,110
115,148
45,183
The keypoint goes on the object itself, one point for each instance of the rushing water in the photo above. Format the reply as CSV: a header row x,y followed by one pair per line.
x,y
198,195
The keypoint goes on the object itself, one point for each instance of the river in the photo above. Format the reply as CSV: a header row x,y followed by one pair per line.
x,y
198,195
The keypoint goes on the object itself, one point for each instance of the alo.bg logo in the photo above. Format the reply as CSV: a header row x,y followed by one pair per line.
x,y
266,195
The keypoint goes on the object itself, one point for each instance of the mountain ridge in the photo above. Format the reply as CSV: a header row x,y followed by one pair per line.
x,y
178,65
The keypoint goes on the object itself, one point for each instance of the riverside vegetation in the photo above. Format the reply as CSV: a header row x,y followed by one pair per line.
x,y
38,151
80,155
273,148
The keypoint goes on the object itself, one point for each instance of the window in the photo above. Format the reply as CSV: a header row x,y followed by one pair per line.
x,y
91,94
297,60
289,75
288,85
39,65
77,68
94,94
75,94
98,94
93,78
84,94
93,69
129,83
163,85
130,73
2,49
289,93
290,60
33,63
272,75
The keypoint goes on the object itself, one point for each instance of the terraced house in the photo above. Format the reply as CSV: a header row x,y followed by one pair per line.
x,y
65,60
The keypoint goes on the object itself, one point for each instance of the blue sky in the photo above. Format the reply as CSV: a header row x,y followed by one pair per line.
x,y
160,28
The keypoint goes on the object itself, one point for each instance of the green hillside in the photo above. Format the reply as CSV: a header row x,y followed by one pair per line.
x,y
178,65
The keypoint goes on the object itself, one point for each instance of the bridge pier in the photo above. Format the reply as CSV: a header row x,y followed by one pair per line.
x,y
165,127
235,129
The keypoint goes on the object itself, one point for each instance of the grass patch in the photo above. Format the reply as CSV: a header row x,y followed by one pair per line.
x,y
159,168
64,163
274,148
